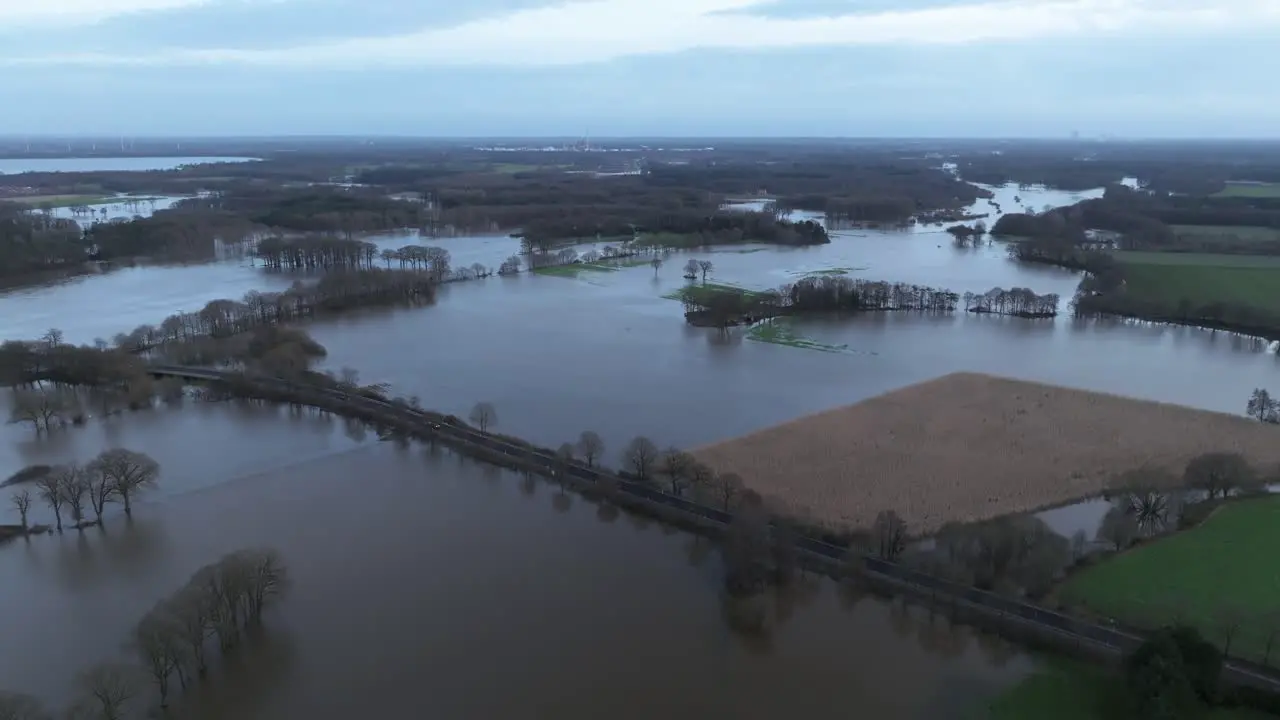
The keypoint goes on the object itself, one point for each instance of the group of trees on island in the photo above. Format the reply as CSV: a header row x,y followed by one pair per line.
x,y
32,242
221,602
114,476
724,306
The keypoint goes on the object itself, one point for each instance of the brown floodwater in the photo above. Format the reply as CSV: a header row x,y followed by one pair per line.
x,y
428,585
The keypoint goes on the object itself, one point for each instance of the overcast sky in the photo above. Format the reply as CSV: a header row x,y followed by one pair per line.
x,y
1200,68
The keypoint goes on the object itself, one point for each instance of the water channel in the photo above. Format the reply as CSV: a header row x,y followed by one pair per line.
x,y
430,582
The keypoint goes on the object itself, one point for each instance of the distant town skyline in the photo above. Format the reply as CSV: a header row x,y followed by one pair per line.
x,y
711,68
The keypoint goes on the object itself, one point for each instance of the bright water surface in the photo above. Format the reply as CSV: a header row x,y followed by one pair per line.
x,y
106,164
430,583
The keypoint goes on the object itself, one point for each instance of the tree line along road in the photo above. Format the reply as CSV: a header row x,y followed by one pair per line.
x,y
1064,630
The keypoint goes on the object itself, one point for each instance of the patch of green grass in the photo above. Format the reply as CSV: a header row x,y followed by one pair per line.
x,y
1211,260
61,201
694,291
1203,279
780,331
828,272
576,269
1250,190
1201,576
1066,690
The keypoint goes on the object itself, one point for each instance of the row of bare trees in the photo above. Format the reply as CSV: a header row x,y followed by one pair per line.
x,y
114,476
219,602
1020,302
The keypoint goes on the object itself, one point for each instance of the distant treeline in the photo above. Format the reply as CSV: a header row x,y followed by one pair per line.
x,y
35,242
1138,221
724,306
698,229
1187,168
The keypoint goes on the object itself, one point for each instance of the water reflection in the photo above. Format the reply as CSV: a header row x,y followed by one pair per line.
x,y
417,575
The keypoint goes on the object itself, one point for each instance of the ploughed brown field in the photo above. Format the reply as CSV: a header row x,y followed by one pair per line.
x,y
968,447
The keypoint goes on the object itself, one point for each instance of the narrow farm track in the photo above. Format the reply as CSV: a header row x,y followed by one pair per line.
x,y
1062,630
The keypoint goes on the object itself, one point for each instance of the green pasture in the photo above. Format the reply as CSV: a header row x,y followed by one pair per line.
x,y
1250,190
1220,573
1251,280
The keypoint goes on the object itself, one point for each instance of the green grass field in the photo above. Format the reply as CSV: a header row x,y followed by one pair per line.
x,y
1203,278
700,289
780,331
1225,567
1225,233
60,201
1072,691
1252,190
576,269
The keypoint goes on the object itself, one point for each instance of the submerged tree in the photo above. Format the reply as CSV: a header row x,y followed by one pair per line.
x,y
640,455
127,472
158,641
590,447
49,488
484,416
675,464
108,689
73,486
21,502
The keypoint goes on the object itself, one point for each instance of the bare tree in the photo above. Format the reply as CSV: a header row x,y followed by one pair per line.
x,y
266,579
158,642
191,612
590,447
565,453
40,407
1230,619
73,488
17,706
640,454
691,269
21,501
1118,528
1263,407
728,486
655,263
129,473
704,266
101,489
1271,621
53,338
747,548
890,535
49,488
109,688
701,476
484,416
675,464
1218,473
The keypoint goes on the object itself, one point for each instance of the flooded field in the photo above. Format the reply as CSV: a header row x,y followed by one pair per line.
x,y
419,578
